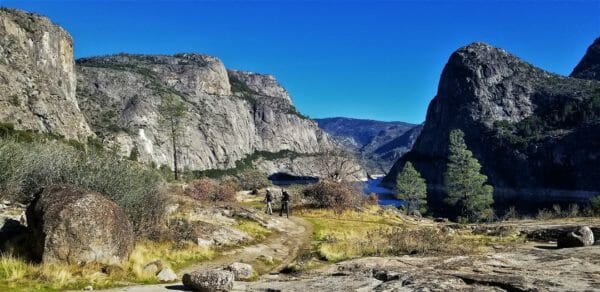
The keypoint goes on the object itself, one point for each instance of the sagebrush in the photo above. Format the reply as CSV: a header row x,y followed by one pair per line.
x,y
334,195
27,167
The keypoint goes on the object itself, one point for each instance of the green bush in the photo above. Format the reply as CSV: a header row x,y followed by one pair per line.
x,y
253,179
595,204
27,167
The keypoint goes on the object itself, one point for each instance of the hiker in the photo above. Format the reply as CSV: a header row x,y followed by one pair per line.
x,y
285,203
269,201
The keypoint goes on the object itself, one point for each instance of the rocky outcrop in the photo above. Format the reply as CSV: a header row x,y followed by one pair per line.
x,y
536,134
37,76
76,226
379,143
229,115
209,280
262,84
589,66
582,236
520,269
241,271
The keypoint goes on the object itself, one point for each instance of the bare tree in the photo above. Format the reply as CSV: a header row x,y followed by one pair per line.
x,y
338,165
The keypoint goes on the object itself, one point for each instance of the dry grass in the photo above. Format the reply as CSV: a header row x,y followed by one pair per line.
x,y
18,275
375,232
253,229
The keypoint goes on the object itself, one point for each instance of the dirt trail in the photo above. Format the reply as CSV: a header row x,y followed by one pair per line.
x,y
292,236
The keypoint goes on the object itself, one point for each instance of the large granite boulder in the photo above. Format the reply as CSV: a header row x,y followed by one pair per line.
x,y
209,280
73,225
581,237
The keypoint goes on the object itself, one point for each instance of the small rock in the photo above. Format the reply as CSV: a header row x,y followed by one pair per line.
x,y
88,288
6,202
166,275
583,236
172,208
385,276
241,271
153,267
3,206
209,280
440,220
266,259
204,242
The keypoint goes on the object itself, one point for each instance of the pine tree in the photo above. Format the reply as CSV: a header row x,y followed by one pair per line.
x,y
174,113
411,188
464,184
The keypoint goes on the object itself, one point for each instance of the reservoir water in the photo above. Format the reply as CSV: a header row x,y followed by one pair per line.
x,y
386,197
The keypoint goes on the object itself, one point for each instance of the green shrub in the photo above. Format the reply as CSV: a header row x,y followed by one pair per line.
x,y
26,168
595,204
253,179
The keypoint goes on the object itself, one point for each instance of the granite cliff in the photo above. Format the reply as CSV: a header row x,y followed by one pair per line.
x,y
536,134
37,76
229,114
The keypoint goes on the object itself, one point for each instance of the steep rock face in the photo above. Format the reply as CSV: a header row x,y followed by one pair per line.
x,y
379,143
536,134
262,84
37,76
589,66
226,118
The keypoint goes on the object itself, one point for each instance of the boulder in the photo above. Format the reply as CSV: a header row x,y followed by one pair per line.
x,y
73,225
209,280
583,236
153,267
166,275
241,271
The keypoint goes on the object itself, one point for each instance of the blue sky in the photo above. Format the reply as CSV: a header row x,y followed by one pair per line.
x,y
363,59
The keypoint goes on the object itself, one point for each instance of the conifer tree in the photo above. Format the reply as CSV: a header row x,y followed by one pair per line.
x,y
464,184
174,113
411,188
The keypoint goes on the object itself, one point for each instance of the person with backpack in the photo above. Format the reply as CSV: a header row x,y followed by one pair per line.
x,y
285,203
269,201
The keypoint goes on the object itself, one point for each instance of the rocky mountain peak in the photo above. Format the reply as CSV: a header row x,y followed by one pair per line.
x,y
589,66
262,84
514,116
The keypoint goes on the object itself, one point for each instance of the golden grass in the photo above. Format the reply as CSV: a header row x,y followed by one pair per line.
x,y
253,229
377,232
18,275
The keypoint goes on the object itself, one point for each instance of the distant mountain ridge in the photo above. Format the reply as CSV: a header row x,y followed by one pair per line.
x,y
379,143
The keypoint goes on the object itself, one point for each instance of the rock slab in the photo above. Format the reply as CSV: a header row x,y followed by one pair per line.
x,y
241,271
73,225
209,280
166,275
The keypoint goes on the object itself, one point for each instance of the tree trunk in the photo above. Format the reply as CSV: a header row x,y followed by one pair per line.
x,y
173,136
